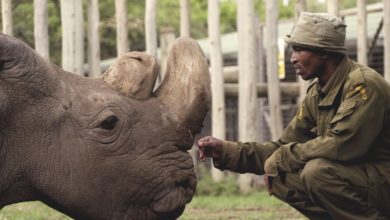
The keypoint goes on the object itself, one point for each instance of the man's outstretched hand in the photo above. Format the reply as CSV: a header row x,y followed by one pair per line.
x,y
210,147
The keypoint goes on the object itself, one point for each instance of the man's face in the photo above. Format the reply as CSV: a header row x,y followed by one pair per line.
x,y
307,63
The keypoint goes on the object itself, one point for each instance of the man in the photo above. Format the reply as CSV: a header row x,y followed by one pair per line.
x,y
333,159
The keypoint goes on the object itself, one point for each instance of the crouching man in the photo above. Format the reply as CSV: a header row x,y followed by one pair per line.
x,y
333,159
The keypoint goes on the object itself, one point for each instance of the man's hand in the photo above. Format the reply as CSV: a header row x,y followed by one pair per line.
x,y
270,166
210,147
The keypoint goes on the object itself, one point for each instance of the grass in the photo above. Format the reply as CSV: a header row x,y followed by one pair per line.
x,y
257,205
30,211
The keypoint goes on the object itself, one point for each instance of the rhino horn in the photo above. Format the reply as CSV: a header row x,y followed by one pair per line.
x,y
133,74
185,89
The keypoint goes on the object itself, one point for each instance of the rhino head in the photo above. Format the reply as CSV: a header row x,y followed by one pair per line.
x,y
107,148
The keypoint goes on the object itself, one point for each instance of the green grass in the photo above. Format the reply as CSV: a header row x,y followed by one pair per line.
x,y
258,205
30,211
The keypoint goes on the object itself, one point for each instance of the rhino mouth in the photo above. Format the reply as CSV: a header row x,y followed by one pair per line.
x,y
172,199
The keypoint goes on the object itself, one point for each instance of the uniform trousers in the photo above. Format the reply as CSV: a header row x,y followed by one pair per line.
x,y
327,190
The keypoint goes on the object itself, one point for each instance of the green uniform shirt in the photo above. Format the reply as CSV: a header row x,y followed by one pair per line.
x,y
346,121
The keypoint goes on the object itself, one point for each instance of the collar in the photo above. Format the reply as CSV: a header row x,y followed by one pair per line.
x,y
333,86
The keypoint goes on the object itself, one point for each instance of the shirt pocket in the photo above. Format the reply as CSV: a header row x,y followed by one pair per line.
x,y
338,124
344,111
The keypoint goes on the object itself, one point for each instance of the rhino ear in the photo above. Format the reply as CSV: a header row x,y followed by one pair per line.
x,y
19,62
133,74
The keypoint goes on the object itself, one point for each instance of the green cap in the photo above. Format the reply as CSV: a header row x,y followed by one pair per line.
x,y
319,31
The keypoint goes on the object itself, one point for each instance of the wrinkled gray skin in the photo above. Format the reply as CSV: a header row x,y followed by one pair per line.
x,y
91,151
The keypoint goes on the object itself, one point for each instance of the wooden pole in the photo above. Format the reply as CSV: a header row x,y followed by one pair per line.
x,y
185,18
300,7
362,32
41,28
333,7
274,98
150,27
93,39
121,27
6,16
247,71
247,99
217,82
386,29
72,36
261,101
287,89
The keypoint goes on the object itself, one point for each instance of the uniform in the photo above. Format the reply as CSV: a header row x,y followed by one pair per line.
x,y
333,159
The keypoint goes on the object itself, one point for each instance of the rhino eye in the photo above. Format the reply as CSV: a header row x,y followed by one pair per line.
x,y
109,123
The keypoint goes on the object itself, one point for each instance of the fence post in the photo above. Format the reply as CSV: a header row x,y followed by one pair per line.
x,y
386,29
41,29
185,18
362,32
333,7
300,7
122,42
150,28
217,79
247,97
93,39
274,101
72,36
6,16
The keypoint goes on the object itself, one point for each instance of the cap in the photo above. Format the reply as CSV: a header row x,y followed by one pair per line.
x,y
319,31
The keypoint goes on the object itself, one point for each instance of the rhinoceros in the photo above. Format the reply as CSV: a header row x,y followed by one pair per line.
x,y
106,148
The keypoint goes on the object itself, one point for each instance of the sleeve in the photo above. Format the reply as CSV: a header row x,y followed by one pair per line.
x,y
250,157
352,131
245,157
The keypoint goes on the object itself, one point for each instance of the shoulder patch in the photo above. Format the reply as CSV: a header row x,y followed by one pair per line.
x,y
356,89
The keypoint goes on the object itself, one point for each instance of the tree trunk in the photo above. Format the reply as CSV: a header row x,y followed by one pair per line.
x,y
122,42
386,30
274,98
72,36
185,18
333,7
41,28
217,81
6,16
150,27
362,32
93,39
247,98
